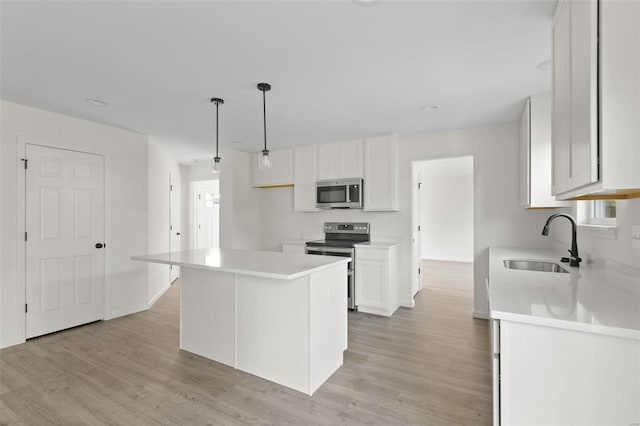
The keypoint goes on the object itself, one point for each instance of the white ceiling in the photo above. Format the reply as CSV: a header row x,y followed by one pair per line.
x,y
338,70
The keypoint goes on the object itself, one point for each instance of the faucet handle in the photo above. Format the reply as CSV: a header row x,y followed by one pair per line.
x,y
574,260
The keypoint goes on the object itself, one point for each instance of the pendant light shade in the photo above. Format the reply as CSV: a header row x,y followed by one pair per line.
x,y
215,163
264,162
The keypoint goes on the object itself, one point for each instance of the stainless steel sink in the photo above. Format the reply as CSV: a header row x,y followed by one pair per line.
x,y
534,265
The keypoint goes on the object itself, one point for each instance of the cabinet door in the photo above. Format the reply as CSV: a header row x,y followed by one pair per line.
x,y
370,283
380,173
525,155
259,177
304,179
583,145
282,167
561,111
328,161
351,159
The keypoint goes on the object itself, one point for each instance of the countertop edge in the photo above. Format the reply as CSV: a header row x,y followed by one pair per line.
x,y
294,276
624,333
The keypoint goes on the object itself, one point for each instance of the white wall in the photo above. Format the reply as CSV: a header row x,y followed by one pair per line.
x,y
160,167
126,212
594,244
498,218
240,215
446,209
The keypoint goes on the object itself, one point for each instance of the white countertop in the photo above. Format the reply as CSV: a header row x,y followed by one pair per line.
x,y
379,244
599,297
269,264
296,242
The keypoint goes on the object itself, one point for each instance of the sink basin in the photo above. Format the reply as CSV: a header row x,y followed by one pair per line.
x,y
534,265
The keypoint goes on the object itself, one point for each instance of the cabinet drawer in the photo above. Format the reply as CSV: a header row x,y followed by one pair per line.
x,y
371,254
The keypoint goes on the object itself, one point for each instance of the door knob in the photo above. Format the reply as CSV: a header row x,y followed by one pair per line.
x,y
177,233
99,245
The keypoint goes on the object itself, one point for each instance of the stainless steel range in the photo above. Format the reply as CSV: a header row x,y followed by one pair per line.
x,y
340,239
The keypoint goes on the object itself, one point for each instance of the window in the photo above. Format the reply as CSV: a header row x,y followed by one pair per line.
x,y
601,212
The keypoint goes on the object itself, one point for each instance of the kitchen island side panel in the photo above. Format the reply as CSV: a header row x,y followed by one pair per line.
x,y
273,329
328,323
207,314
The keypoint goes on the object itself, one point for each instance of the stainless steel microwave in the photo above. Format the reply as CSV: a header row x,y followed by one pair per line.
x,y
339,194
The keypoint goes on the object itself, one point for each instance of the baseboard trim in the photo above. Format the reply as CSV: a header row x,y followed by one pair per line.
x,y
408,304
128,310
481,315
158,295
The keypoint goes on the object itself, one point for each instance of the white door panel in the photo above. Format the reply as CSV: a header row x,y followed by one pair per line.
x,y
207,215
64,221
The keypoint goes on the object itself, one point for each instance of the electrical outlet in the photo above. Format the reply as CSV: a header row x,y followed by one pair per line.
x,y
635,236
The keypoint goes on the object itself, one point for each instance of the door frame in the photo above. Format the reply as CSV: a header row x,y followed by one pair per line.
x,y
21,208
415,223
416,218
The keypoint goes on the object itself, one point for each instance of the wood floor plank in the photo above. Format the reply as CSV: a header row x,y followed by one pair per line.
x,y
427,365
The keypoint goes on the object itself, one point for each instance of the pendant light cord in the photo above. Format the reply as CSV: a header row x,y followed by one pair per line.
x,y
264,116
217,105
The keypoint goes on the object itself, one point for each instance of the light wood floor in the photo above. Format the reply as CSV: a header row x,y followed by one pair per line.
x,y
427,365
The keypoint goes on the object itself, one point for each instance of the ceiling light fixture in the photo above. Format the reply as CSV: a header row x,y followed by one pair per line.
x,y
264,162
97,102
215,164
428,108
544,65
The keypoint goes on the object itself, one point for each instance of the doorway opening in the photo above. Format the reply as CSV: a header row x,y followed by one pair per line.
x,y
442,221
206,217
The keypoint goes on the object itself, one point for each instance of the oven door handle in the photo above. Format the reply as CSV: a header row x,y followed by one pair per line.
x,y
329,250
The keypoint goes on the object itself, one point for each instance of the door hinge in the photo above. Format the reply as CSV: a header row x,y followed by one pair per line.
x,y
25,235
198,196
170,227
419,185
419,271
26,308
170,187
199,226
25,161
418,228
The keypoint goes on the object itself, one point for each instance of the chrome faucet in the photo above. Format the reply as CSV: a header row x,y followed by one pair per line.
x,y
574,260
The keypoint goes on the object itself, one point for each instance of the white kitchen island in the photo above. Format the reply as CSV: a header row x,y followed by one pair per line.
x,y
281,317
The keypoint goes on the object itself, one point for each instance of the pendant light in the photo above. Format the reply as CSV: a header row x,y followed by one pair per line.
x,y
215,163
264,162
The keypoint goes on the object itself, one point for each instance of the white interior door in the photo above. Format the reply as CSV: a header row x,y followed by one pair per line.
x,y
416,261
207,215
64,240
174,220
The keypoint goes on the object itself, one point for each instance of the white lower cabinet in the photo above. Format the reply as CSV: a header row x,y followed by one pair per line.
x,y
377,275
557,376
293,248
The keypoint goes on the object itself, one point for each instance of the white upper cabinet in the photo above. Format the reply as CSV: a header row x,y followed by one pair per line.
x,y
535,154
280,173
381,173
304,178
351,159
561,118
596,99
340,160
